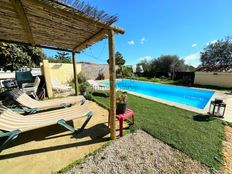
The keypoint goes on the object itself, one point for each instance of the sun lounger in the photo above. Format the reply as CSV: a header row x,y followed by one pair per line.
x,y
13,124
98,86
33,106
57,86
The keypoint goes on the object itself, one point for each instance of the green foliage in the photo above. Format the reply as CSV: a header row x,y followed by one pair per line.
x,y
84,87
60,57
165,63
194,134
13,57
219,53
126,71
119,60
81,78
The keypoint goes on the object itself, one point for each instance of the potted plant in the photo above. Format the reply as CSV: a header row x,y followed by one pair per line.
x,y
121,103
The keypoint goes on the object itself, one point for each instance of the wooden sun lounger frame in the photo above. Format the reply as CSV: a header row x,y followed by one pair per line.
x,y
11,135
16,93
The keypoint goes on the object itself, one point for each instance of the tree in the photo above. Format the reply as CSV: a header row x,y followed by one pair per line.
x,y
168,63
217,54
63,57
13,56
118,59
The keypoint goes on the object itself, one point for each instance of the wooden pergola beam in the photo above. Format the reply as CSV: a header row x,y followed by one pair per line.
x,y
23,19
93,38
85,19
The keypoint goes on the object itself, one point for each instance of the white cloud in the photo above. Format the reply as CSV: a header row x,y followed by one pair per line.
x,y
145,58
211,42
193,59
131,42
194,45
142,40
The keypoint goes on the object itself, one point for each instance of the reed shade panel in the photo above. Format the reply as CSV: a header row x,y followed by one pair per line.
x,y
59,24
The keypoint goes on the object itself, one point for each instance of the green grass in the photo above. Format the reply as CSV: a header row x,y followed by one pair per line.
x,y
198,136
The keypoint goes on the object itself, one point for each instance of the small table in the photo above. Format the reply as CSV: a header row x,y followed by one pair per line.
x,y
121,118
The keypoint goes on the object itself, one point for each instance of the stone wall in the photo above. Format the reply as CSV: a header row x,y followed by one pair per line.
x,y
91,71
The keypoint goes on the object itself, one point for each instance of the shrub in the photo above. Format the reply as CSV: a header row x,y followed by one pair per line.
x,y
81,78
84,87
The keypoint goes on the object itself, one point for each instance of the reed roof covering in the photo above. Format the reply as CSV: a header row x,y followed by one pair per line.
x,y
69,25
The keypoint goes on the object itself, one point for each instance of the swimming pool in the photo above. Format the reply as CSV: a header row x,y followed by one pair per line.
x,y
183,95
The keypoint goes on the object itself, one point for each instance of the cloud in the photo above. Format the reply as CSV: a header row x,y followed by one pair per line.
x,y
142,40
145,58
131,42
194,45
211,42
193,59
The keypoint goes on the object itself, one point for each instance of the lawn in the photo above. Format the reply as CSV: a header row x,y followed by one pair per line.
x,y
198,136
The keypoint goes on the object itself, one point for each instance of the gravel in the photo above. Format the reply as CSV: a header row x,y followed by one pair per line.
x,y
139,153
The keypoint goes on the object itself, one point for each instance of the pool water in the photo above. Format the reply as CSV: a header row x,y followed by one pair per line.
x,y
183,95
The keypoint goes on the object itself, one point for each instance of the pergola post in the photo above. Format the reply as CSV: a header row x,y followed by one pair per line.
x,y
47,77
112,83
75,72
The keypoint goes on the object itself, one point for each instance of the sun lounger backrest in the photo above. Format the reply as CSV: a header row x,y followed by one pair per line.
x,y
23,98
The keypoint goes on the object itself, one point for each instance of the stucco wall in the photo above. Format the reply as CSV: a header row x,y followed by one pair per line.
x,y
91,71
63,72
213,78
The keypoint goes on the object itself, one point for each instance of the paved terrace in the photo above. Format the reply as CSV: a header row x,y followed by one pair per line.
x,y
49,149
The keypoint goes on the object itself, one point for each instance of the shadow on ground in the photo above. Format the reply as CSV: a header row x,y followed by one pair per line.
x,y
97,134
203,118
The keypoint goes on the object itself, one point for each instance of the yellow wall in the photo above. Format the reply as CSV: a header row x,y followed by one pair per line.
x,y
213,78
63,72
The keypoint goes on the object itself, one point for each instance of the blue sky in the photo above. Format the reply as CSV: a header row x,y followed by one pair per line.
x,y
159,27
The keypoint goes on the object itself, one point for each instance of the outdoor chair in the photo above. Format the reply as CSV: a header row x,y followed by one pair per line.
x,y
57,86
23,77
31,88
12,124
31,106
98,86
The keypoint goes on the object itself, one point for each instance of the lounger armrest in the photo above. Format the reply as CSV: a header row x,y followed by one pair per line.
x,y
25,85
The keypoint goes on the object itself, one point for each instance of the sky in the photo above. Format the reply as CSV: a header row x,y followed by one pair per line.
x,y
161,27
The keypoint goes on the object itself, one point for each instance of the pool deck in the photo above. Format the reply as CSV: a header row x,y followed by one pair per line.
x,y
49,149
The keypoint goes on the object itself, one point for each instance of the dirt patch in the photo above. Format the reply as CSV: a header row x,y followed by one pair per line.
x,y
227,151
139,153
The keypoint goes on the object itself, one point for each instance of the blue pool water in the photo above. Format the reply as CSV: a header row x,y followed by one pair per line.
x,y
183,95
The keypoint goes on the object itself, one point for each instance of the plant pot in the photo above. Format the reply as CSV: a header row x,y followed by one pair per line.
x,y
121,108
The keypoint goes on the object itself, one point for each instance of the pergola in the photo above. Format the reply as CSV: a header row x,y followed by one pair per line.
x,y
68,25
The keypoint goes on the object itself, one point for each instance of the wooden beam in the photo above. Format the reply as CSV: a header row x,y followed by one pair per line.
x,y
40,46
85,19
75,73
23,20
112,84
91,39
